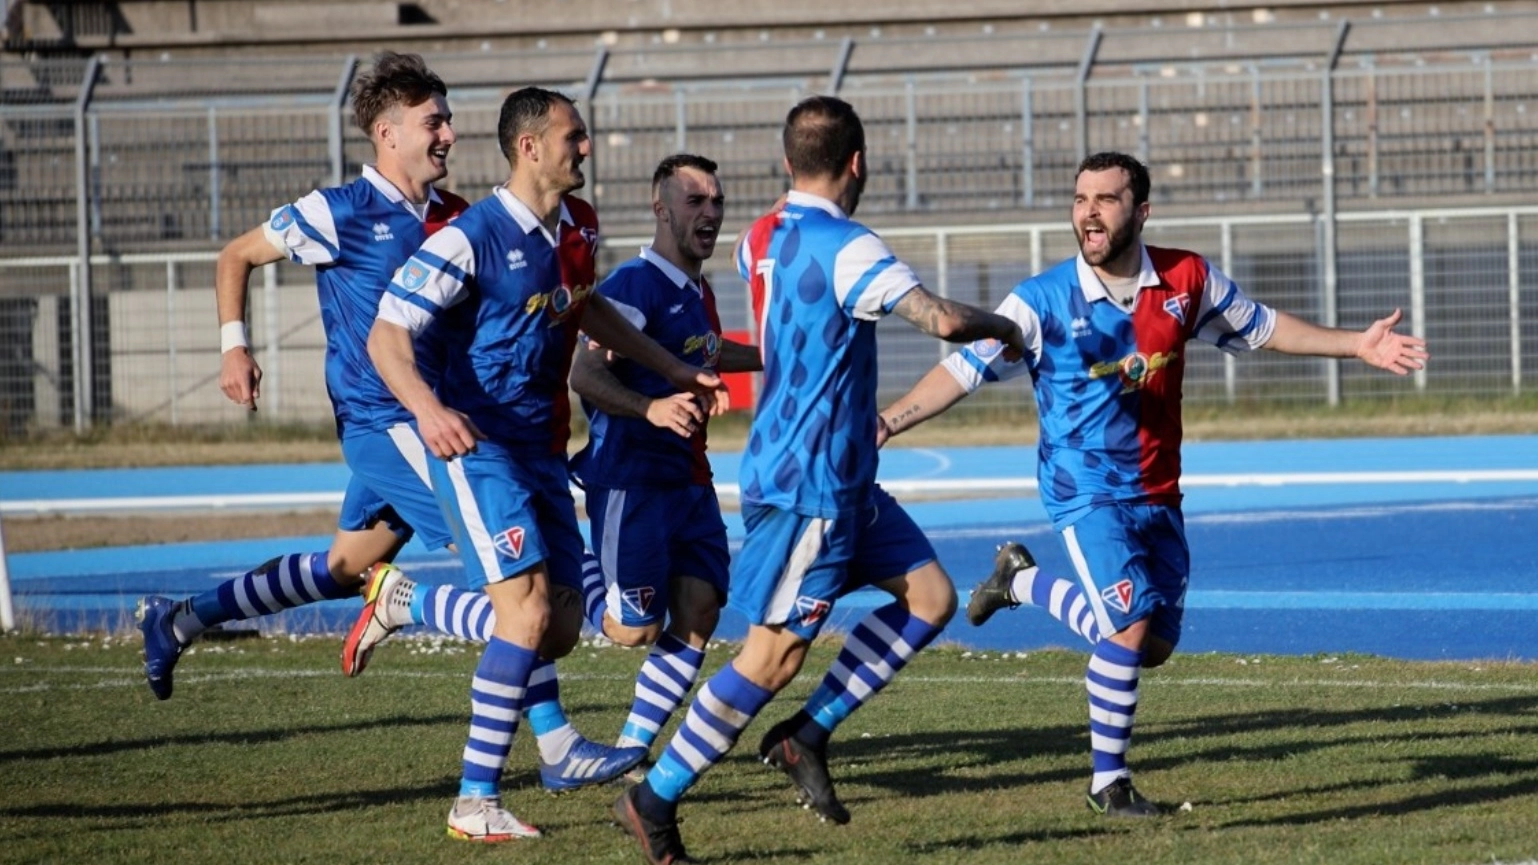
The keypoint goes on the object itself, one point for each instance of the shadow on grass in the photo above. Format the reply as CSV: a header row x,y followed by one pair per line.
x,y
229,737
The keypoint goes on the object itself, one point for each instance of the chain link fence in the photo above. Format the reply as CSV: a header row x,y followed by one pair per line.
x,y
1327,168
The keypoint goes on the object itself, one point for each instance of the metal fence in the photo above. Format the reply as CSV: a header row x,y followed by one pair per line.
x,y
1463,277
119,178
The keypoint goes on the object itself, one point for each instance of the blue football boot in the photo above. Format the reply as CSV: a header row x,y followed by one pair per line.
x,y
161,648
589,763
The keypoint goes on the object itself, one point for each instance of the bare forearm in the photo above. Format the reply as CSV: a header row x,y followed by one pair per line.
x,y
389,346
597,384
1293,335
232,273
610,329
937,391
737,357
949,320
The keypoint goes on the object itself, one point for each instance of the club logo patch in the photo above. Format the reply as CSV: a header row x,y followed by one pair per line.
x,y
510,542
1177,306
283,218
1119,596
638,599
414,275
987,349
812,610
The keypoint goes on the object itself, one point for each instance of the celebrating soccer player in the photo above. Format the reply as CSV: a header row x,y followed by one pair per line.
x,y
1105,335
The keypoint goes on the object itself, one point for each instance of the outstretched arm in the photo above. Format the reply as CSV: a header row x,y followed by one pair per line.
x,y
958,322
1377,346
937,391
739,357
239,377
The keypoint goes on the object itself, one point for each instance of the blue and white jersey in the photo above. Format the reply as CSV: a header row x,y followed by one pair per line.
x,y
666,305
356,236
1108,381
510,296
819,282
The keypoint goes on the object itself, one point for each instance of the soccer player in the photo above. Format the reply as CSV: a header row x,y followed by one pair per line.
x,y
355,236
512,282
1105,336
817,524
656,523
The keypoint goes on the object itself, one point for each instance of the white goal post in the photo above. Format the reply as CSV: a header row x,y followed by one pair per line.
x,y
7,609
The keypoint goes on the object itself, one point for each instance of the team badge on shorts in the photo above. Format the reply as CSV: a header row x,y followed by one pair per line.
x,y
510,542
1119,595
638,599
812,610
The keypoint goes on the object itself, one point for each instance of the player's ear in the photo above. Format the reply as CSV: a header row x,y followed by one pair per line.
x,y
857,164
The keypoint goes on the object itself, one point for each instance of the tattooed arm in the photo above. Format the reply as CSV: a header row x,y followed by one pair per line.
x,y
957,322
937,391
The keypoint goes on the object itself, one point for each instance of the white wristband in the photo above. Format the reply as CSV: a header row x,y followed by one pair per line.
x,y
232,334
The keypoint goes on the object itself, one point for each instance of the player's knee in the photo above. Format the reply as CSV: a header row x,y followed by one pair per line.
x,y
932,599
631,637
1156,650
697,617
560,638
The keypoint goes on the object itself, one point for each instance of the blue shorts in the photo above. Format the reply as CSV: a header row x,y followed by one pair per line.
x,y
509,514
792,568
1134,565
644,537
389,483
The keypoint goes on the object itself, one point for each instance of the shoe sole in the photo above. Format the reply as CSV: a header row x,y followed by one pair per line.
x,y
492,839
141,611
353,662
1016,563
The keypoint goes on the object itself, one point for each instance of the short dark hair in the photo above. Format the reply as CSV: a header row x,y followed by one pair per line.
x,y
670,166
394,81
1137,172
822,133
523,111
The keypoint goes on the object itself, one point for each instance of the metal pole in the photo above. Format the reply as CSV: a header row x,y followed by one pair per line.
x,y
1489,127
7,605
943,278
912,156
1514,296
840,66
334,121
1230,368
171,339
1331,287
1142,120
1257,172
1027,147
80,294
680,122
589,93
213,173
272,361
1418,287
1081,97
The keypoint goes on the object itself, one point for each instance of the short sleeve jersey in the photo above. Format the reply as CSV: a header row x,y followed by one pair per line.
x,y
1108,383
819,281
355,236
510,297
666,305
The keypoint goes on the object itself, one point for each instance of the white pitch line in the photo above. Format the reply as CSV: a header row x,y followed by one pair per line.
x,y
731,492
131,678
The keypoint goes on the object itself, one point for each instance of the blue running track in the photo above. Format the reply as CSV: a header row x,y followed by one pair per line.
x,y
1410,548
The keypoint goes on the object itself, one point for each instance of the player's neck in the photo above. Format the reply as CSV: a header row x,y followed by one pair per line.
x,y
1124,266
544,203
414,192
669,252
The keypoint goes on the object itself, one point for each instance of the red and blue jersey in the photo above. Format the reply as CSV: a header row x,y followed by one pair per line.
x,y
666,305
356,236
1108,381
819,281
510,297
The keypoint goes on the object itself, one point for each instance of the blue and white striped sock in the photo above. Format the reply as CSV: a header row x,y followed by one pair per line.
x,y
670,670
880,645
542,706
721,711
593,591
496,702
1063,599
458,612
276,585
1111,679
